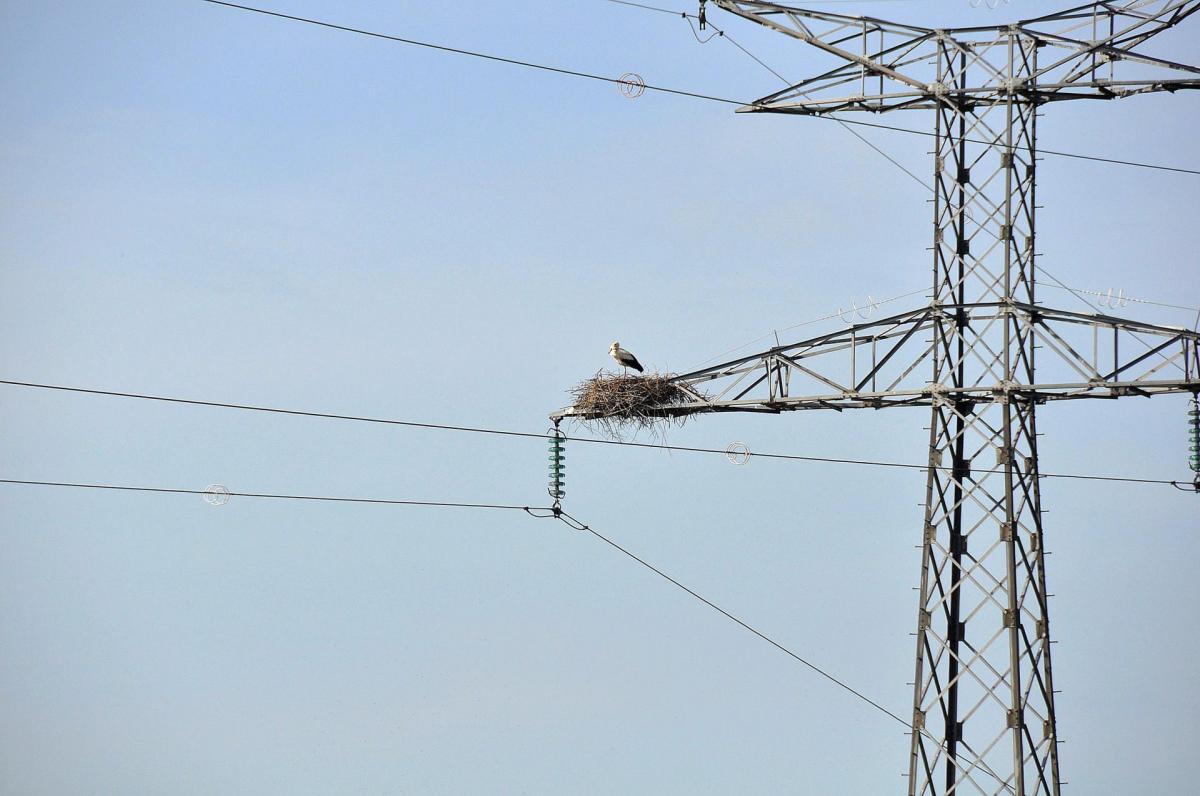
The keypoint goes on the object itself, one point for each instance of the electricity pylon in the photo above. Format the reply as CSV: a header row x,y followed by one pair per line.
x,y
983,715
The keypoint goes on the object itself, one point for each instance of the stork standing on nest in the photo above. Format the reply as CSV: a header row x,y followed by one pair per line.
x,y
624,358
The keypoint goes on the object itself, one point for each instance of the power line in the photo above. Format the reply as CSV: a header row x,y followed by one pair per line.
x,y
573,522
460,51
534,435
1078,294
566,518
647,86
272,496
1121,299
277,410
845,125
675,13
840,313
1040,151
651,8
579,526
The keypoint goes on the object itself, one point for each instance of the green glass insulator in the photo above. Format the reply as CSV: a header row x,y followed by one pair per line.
x,y
557,456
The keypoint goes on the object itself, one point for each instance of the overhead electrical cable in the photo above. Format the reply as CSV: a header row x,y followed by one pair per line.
x,y
573,522
872,303
461,51
579,526
535,435
1121,298
272,496
1092,305
563,516
675,13
829,316
647,86
845,125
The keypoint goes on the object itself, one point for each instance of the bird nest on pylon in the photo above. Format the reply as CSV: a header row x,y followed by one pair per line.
x,y
617,404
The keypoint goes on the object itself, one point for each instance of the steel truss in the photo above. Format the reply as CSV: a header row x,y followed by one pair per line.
x,y
983,704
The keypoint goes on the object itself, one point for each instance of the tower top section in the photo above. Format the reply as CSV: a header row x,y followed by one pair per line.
x,y
1093,51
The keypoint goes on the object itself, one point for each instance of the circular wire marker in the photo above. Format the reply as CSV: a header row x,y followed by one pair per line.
x,y
737,453
216,495
631,85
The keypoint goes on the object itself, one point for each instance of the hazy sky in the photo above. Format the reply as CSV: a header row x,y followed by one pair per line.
x,y
205,203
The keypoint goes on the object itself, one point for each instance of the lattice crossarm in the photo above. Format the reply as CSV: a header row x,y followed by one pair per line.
x,y
876,365
1123,26
823,26
887,67
1097,50
1104,356
873,52
866,365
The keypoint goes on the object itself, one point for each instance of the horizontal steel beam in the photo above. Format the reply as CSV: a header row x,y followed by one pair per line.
x,y
875,365
887,66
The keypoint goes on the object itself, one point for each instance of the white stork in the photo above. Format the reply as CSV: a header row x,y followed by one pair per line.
x,y
624,358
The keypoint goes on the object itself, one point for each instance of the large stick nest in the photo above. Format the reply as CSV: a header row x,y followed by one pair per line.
x,y
619,404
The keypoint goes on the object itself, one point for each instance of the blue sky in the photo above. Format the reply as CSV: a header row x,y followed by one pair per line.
x,y
206,203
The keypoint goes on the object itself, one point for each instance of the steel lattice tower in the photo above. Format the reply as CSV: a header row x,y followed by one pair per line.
x,y
983,703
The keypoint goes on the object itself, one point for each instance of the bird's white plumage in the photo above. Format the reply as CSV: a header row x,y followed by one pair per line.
x,y
624,358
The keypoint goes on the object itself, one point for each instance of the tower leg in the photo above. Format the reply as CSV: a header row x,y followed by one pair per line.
x,y
983,700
